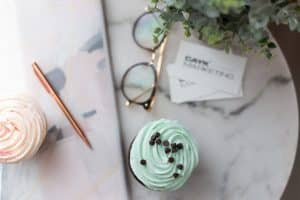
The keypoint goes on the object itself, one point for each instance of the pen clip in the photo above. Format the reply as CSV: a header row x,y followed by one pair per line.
x,y
40,76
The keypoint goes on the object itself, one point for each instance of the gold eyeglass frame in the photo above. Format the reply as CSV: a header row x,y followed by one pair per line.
x,y
155,64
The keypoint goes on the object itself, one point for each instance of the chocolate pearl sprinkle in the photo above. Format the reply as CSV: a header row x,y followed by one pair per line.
x,y
179,146
173,145
180,166
151,142
175,175
157,134
166,143
167,150
174,150
171,160
158,141
143,162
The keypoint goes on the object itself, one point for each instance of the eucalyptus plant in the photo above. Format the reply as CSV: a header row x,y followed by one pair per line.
x,y
225,23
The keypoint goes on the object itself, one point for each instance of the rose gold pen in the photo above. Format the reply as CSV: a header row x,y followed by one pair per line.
x,y
42,78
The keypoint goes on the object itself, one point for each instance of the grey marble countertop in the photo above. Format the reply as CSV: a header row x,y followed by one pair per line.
x,y
247,146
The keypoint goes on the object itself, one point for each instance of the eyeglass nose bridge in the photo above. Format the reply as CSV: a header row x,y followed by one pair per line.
x,y
146,106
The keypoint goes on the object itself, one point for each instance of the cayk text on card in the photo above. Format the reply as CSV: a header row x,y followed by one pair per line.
x,y
205,66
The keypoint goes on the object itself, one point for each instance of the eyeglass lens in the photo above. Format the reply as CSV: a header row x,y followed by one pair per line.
x,y
139,81
144,28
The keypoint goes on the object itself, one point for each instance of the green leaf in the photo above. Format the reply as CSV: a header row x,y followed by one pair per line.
x,y
157,30
264,40
155,39
187,33
227,22
212,34
272,45
268,55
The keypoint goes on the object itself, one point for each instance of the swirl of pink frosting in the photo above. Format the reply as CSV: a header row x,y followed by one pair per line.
x,y
22,128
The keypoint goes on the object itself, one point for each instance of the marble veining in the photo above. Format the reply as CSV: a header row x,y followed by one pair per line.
x,y
89,113
227,173
94,43
278,80
57,78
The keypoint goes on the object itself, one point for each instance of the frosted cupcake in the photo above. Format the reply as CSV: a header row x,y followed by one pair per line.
x,y
163,155
22,128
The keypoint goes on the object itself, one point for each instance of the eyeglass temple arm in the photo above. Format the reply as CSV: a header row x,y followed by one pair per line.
x,y
159,66
160,57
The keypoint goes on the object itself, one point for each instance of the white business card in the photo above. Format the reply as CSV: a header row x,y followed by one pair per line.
x,y
218,70
187,91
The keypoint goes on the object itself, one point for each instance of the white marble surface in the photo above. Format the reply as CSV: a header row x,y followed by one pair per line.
x,y
247,146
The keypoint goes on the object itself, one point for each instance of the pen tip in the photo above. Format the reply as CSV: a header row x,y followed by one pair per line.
x,y
87,142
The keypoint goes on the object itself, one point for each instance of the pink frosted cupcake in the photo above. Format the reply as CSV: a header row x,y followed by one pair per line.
x,y
22,128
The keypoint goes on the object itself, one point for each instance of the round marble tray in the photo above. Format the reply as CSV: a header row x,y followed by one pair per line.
x,y
247,145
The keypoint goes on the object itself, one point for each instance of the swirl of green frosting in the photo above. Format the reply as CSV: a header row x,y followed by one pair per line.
x,y
169,162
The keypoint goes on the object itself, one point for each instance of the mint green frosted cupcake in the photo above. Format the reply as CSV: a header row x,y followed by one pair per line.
x,y
163,155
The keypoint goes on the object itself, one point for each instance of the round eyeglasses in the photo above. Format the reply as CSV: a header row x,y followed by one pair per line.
x,y
139,82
